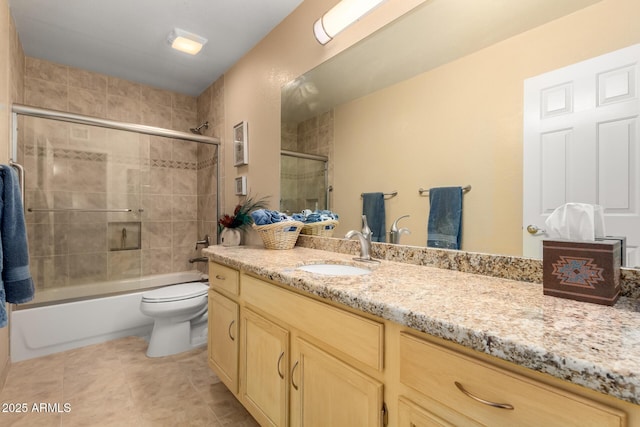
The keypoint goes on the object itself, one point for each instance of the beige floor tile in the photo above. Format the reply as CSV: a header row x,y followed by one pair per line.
x,y
115,384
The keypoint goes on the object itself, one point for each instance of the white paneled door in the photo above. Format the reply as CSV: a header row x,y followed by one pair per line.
x,y
581,144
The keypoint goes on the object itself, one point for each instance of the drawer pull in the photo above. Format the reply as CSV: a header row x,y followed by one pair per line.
x,y
292,371
230,326
278,365
485,402
219,277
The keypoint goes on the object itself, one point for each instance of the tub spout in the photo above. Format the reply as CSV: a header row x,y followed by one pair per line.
x,y
199,259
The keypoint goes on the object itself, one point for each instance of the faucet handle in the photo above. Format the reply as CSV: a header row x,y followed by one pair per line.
x,y
394,226
204,241
366,231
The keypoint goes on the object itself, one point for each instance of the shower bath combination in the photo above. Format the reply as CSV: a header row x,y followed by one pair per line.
x,y
198,130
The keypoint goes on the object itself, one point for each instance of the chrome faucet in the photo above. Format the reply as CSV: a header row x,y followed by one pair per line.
x,y
395,233
365,241
204,241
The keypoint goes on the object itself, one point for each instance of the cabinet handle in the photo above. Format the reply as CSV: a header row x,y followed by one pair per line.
x,y
485,402
278,365
292,371
230,326
219,277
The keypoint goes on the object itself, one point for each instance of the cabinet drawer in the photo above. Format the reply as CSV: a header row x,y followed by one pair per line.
x,y
356,336
436,372
225,278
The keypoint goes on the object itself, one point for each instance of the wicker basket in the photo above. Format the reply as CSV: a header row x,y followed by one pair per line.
x,y
281,235
321,228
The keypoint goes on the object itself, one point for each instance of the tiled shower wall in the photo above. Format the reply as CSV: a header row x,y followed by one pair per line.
x,y
300,178
169,184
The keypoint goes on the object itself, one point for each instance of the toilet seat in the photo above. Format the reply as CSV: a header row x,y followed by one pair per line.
x,y
176,293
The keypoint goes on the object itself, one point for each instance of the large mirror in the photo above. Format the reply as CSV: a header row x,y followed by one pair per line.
x,y
436,99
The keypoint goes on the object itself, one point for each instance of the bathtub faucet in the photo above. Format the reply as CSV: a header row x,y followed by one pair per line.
x,y
199,259
204,241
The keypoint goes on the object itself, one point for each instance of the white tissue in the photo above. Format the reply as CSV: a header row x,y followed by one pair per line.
x,y
576,221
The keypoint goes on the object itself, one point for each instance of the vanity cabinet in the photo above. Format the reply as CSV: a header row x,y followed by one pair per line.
x,y
224,316
329,392
223,331
295,360
264,367
489,395
321,373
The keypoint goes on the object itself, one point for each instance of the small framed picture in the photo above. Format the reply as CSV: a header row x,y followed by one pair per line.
x,y
240,140
241,186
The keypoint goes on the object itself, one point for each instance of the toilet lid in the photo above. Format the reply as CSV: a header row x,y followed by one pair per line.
x,y
176,292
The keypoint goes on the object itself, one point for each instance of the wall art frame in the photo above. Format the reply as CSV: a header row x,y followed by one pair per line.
x,y
240,144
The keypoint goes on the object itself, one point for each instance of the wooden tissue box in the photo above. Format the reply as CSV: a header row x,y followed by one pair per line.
x,y
582,271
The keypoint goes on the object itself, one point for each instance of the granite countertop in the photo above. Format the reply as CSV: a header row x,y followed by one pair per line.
x,y
588,344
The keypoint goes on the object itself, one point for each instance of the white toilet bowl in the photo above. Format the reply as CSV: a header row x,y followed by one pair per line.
x,y
180,318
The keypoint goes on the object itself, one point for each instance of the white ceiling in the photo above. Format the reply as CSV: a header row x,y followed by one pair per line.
x,y
127,38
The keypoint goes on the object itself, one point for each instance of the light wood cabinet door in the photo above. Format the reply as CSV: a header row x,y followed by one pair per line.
x,y
328,392
265,358
223,339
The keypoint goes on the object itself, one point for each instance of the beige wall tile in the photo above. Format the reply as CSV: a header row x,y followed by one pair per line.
x,y
87,102
184,102
84,79
45,94
125,88
155,96
155,115
123,108
45,70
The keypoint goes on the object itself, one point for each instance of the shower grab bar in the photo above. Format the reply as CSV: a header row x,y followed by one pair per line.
x,y
20,170
386,195
424,192
80,210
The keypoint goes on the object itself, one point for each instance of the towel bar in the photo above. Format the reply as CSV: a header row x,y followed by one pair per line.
x,y
424,192
390,195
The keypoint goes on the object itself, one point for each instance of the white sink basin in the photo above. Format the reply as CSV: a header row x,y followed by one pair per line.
x,y
334,269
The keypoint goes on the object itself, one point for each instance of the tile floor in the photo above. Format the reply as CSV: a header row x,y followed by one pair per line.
x,y
115,384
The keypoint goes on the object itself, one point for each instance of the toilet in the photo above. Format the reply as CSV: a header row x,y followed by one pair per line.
x,y
180,318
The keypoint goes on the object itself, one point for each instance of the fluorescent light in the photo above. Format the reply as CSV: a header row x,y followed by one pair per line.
x,y
185,41
340,17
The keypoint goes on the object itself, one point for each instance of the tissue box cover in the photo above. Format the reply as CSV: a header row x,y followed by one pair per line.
x,y
582,271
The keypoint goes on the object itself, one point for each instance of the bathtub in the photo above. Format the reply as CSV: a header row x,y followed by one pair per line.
x,y
57,327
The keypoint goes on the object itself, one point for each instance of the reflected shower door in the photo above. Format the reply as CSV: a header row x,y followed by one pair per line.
x,y
303,184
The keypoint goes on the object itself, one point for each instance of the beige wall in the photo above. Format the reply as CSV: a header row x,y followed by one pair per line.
x,y
462,124
252,88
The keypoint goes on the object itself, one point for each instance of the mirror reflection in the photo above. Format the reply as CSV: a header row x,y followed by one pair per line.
x,y
435,99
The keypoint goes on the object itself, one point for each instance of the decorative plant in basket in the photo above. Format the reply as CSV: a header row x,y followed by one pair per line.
x,y
231,226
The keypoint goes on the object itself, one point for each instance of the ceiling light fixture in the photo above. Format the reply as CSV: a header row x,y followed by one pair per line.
x,y
185,41
340,17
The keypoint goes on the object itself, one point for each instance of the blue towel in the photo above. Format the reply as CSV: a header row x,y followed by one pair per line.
x,y
373,208
445,218
266,216
16,285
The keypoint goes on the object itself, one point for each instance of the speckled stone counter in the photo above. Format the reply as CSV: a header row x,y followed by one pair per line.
x,y
591,345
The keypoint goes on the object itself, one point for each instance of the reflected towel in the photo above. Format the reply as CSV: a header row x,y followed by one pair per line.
x,y
373,208
445,218
16,285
